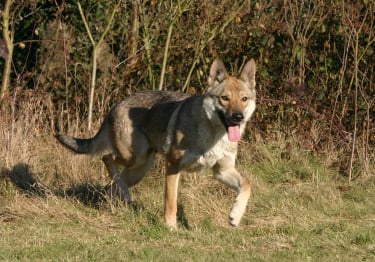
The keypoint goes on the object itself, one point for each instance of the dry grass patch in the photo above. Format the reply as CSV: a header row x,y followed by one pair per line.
x,y
53,207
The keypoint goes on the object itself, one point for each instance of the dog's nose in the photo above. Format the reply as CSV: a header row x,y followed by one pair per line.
x,y
238,117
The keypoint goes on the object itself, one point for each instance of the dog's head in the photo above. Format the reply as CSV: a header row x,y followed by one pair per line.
x,y
233,97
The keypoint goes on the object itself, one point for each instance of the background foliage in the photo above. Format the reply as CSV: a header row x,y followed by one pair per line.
x,y
315,63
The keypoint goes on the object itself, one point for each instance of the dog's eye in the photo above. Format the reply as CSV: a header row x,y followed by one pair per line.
x,y
224,98
244,99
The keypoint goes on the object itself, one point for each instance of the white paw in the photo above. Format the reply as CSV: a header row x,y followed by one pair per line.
x,y
235,215
238,209
171,223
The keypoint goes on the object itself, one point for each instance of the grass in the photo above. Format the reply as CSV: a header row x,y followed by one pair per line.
x,y
53,207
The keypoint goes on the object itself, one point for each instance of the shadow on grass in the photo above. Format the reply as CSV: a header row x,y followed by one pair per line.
x,y
25,180
181,217
88,194
22,177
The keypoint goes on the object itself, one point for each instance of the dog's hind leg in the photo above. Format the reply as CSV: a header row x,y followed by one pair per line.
x,y
117,181
132,153
134,175
128,176
225,172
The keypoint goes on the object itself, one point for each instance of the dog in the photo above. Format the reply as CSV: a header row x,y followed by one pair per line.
x,y
192,132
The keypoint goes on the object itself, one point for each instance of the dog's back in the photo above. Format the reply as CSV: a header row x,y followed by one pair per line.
x,y
149,110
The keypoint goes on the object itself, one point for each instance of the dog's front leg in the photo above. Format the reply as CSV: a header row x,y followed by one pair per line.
x,y
225,172
171,187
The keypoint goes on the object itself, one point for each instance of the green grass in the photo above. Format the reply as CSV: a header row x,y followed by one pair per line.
x,y
300,210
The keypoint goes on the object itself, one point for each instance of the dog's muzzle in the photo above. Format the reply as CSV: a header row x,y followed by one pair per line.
x,y
233,120
232,124
237,117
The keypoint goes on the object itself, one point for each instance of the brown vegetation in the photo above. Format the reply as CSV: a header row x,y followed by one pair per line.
x,y
316,75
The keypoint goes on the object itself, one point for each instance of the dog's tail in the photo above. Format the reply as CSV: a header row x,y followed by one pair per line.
x,y
96,144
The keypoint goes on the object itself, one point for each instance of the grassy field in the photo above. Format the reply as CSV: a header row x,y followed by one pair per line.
x,y
53,207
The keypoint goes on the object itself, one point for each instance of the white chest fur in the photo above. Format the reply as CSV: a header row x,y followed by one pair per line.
x,y
195,161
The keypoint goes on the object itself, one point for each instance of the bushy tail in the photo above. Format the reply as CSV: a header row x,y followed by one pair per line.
x,y
92,145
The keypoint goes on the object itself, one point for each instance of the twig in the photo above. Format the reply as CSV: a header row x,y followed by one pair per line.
x,y
8,36
180,11
94,56
170,29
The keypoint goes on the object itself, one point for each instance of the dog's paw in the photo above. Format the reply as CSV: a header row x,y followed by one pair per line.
x,y
171,225
235,216
237,211
239,207
116,192
126,197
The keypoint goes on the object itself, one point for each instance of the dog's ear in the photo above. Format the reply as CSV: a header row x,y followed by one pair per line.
x,y
248,73
218,73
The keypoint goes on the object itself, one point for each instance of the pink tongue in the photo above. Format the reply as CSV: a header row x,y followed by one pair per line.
x,y
234,133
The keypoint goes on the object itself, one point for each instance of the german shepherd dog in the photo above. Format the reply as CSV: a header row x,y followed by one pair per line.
x,y
192,132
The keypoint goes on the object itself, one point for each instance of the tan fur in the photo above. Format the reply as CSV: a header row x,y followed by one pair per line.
x,y
190,131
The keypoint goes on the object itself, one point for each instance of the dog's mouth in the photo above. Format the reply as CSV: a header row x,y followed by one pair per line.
x,y
232,125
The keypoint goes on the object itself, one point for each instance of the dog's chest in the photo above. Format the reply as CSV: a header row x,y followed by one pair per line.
x,y
193,161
